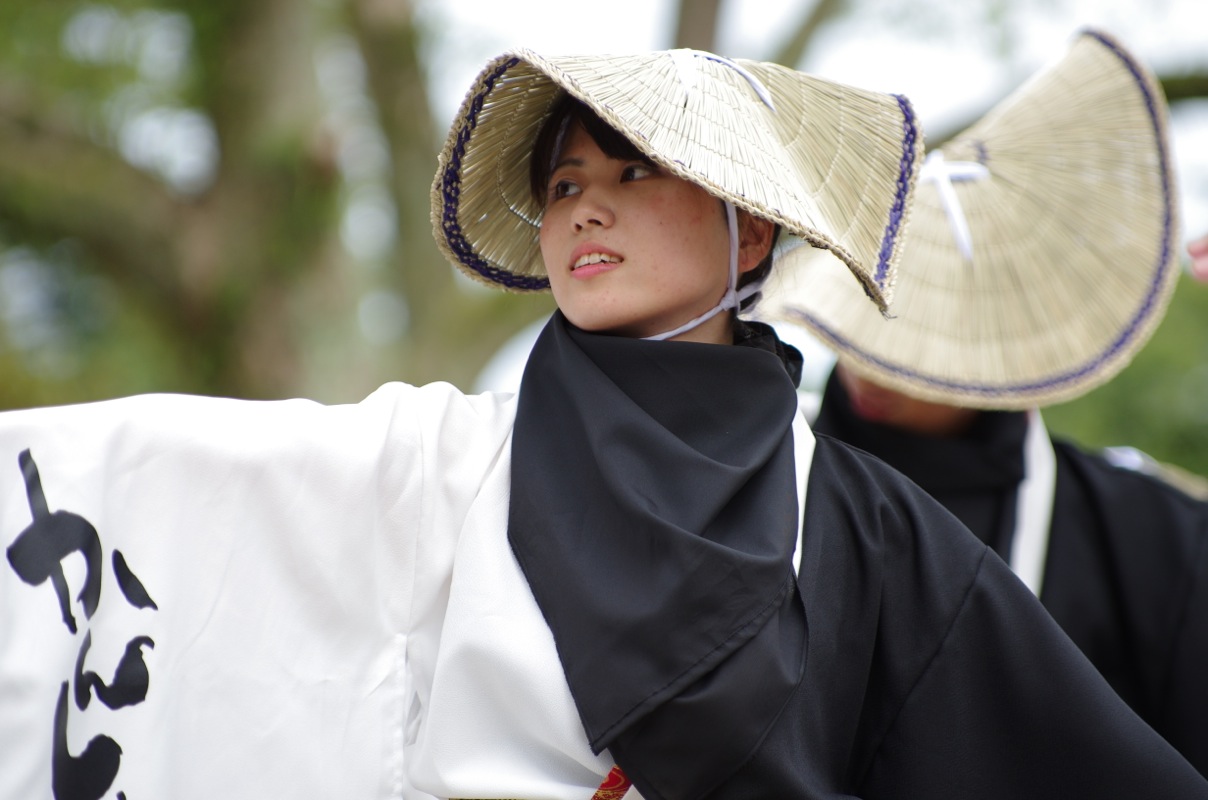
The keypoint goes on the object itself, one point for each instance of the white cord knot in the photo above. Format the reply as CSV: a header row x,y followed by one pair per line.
x,y
942,173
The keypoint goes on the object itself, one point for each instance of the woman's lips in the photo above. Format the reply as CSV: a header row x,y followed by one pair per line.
x,y
590,259
591,270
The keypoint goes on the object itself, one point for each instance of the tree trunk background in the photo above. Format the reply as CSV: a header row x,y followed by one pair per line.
x,y
112,281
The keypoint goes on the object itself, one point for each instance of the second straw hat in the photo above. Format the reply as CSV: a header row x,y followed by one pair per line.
x,y
832,164
1041,252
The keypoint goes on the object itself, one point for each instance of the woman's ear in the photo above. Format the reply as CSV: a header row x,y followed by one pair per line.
x,y
754,240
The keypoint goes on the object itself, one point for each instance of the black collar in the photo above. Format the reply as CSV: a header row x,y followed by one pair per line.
x,y
653,512
987,456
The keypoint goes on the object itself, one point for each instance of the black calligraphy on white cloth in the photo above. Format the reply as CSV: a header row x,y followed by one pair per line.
x,y
37,556
38,553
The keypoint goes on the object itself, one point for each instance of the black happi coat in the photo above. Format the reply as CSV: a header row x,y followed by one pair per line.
x,y
1126,575
911,662
933,672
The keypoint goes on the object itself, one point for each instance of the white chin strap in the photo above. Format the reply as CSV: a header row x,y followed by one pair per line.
x,y
686,64
733,296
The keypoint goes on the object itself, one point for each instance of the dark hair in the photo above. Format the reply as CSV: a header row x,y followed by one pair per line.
x,y
568,110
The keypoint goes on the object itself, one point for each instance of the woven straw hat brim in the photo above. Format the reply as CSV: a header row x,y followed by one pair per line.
x,y
1073,242
832,164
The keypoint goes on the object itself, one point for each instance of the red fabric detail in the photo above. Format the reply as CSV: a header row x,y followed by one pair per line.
x,y
614,787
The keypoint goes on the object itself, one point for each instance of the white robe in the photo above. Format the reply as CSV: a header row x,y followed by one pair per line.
x,y
338,611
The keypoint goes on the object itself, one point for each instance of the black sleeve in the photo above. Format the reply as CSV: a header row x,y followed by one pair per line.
x,y
1128,564
1183,718
1009,708
933,672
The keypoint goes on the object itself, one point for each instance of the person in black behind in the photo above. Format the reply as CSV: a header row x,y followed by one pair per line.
x,y
1005,306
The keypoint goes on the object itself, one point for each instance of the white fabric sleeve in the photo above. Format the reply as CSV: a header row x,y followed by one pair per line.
x,y
210,598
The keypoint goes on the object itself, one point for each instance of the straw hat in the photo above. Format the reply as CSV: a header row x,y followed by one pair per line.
x,y
831,164
1041,253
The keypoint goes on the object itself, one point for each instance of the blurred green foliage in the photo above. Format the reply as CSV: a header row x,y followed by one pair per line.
x,y
179,186
1159,402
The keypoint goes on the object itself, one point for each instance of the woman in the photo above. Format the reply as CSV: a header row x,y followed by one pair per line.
x,y
430,594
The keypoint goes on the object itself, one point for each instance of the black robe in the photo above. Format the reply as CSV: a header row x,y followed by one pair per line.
x,y
1126,574
933,672
905,660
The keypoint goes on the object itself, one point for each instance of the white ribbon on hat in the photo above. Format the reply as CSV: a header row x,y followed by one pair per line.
x,y
942,173
685,67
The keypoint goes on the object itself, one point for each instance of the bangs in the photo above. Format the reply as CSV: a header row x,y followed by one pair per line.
x,y
548,145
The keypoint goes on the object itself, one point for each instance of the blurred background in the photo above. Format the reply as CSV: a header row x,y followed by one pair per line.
x,y
230,197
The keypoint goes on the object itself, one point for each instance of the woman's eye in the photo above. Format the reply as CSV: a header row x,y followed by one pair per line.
x,y
562,188
633,172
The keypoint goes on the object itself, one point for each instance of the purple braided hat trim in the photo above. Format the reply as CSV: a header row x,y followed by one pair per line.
x,y
451,191
910,134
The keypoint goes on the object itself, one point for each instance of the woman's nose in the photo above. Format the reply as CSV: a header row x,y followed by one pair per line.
x,y
593,210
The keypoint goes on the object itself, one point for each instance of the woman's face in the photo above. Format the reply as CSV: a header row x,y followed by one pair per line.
x,y
632,250
873,402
